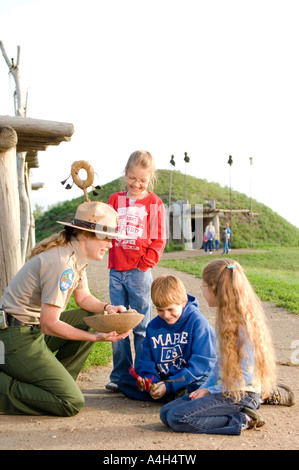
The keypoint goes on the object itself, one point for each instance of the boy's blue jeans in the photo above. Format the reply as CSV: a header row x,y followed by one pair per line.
x,y
133,290
211,414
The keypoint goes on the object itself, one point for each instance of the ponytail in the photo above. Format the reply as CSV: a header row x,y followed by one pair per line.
x,y
240,317
58,239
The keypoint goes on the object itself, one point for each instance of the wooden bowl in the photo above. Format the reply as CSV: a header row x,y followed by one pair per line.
x,y
119,322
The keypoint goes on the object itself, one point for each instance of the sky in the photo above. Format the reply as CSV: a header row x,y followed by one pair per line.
x,y
210,78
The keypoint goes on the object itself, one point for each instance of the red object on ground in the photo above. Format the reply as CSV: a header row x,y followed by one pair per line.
x,y
141,383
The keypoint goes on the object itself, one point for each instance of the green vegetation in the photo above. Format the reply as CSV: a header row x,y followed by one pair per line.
x,y
101,353
274,273
268,228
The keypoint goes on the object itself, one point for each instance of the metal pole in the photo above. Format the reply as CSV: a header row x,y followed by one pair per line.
x,y
251,163
172,162
186,160
230,162
170,184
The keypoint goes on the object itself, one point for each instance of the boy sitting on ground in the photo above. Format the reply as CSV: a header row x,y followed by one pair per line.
x,y
179,349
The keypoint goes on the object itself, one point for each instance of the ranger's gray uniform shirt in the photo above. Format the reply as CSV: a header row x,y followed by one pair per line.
x,y
47,278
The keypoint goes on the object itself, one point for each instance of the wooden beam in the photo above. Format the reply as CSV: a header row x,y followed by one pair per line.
x,y
36,127
37,134
36,186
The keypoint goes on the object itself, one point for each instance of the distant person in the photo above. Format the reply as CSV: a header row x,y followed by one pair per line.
x,y
179,349
205,243
228,235
34,381
141,216
216,239
210,234
226,403
224,239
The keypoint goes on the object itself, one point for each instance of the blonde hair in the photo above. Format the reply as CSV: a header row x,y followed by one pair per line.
x,y
240,317
167,290
146,161
58,239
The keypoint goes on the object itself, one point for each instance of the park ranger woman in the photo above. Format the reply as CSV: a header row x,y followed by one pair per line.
x,y
33,380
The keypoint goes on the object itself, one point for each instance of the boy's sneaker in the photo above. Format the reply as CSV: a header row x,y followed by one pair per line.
x,y
255,420
280,395
112,386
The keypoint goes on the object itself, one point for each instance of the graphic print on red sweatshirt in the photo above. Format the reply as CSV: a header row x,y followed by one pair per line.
x,y
144,223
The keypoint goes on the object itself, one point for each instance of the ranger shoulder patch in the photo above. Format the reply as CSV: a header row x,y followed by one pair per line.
x,y
66,279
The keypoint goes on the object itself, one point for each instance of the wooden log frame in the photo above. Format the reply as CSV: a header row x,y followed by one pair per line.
x,y
211,212
25,205
32,159
32,135
37,134
10,251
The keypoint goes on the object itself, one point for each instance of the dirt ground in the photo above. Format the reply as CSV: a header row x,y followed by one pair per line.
x,y
111,421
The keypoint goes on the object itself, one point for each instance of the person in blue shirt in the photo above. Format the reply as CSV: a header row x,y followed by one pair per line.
x,y
179,350
228,231
245,368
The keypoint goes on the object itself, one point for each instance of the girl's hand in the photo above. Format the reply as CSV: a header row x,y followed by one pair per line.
x,y
201,392
158,390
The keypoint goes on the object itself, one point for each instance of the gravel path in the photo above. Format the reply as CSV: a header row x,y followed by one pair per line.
x,y
111,421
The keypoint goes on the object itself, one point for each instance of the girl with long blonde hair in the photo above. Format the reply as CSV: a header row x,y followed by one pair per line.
x,y
245,369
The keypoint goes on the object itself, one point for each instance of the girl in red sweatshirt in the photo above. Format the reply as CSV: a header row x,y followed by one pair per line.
x,y
141,216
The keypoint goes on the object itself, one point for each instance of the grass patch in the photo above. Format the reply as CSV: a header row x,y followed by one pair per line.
x,y
273,273
101,353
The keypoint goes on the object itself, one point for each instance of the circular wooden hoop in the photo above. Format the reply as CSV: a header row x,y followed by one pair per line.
x,y
76,167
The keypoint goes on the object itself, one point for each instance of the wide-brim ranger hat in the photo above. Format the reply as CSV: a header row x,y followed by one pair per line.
x,y
96,217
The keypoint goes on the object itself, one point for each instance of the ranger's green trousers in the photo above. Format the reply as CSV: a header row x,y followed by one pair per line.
x,y
33,380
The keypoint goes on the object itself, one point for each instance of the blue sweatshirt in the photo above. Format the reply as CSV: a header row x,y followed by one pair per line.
x,y
184,351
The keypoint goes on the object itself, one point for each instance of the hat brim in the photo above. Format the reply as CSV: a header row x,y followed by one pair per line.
x,y
101,232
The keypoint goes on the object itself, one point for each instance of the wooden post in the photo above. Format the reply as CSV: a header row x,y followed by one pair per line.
x,y
10,253
24,204
21,156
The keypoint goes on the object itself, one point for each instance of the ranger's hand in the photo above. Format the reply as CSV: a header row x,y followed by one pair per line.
x,y
112,336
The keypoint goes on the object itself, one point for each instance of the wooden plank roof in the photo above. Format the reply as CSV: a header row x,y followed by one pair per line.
x,y
37,134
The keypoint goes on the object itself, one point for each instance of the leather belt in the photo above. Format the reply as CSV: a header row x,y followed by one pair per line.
x,y
12,321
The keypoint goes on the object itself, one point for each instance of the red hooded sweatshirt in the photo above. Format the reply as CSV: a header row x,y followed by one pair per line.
x,y
144,222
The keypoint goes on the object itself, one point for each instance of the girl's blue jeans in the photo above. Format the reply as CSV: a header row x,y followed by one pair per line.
x,y
133,290
211,414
